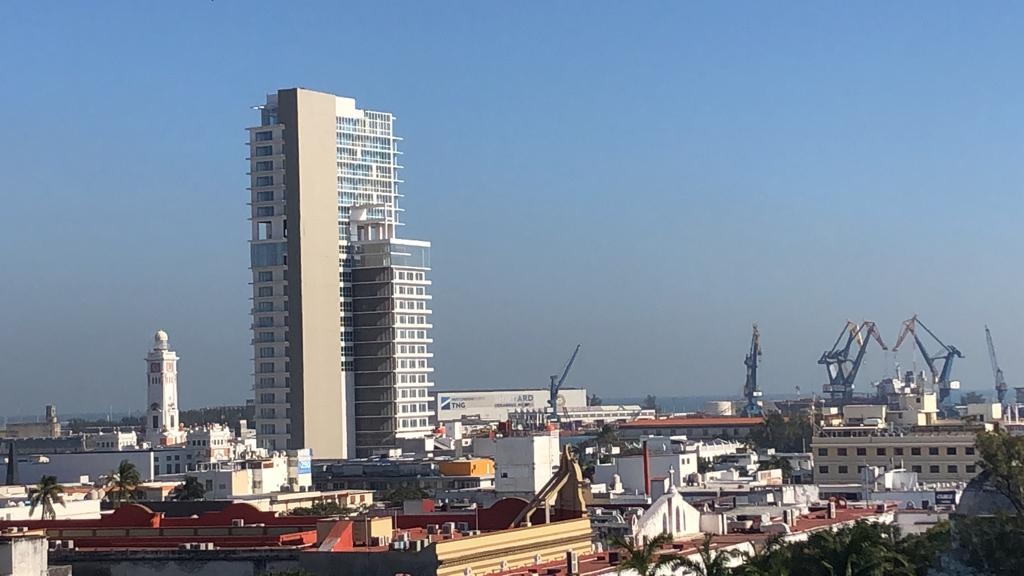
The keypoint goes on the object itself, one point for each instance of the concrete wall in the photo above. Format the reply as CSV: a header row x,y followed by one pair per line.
x,y
71,510
23,556
31,430
524,464
318,410
70,467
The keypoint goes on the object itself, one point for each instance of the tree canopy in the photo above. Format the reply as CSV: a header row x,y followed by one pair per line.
x,y
190,489
1002,457
783,434
399,495
122,482
645,559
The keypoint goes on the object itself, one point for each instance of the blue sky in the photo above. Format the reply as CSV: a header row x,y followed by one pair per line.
x,y
646,179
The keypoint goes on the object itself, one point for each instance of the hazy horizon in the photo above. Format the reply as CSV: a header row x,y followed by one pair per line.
x,y
644,180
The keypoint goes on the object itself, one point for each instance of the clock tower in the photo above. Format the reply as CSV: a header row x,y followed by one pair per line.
x,y
162,425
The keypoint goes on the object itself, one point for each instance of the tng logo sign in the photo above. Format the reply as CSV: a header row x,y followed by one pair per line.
x,y
448,403
464,402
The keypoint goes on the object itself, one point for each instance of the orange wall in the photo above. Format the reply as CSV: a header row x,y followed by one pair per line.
x,y
471,467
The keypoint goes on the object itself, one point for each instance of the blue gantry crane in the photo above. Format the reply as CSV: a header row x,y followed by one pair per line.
x,y
941,376
556,385
842,370
996,370
751,392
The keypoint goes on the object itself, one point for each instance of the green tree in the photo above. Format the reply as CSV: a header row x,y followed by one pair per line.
x,y
704,465
924,550
1002,457
712,562
650,402
47,493
324,509
783,434
121,483
972,398
609,434
780,463
399,495
190,489
645,559
864,549
772,559
991,545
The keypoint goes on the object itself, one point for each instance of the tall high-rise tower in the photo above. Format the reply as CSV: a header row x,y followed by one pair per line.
x,y
162,424
316,159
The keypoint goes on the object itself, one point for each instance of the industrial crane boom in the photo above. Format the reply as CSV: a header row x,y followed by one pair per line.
x,y
750,391
941,377
556,385
842,370
997,372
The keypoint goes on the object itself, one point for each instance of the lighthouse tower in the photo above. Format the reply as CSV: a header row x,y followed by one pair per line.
x,y
162,398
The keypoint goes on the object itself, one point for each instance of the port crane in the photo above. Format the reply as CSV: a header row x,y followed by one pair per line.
x,y
941,377
842,370
750,389
556,385
996,370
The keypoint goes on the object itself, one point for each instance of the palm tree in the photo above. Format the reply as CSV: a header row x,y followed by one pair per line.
x,y
860,550
645,559
190,489
711,563
44,495
773,559
121,483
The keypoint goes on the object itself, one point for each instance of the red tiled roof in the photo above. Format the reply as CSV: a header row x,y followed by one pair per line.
x,y
695,422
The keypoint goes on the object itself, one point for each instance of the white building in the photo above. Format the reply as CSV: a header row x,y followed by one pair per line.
x,y
24,553
712,449
495,405
204,445
15,504
522,464
579,416
161,422
328,360
280,472
666,460
116,440
82,467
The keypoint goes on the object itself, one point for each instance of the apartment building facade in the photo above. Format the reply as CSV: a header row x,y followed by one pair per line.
x,y
314,159
935,453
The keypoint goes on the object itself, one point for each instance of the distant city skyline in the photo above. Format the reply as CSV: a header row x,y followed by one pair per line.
x,y
648,186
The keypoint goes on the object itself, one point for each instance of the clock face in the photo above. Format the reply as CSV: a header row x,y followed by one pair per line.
x,y
154,367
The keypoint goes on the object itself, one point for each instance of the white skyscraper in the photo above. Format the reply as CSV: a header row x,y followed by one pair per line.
x,y
340,304
162,424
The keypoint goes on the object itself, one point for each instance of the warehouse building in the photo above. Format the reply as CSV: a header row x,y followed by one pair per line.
x,y
495,405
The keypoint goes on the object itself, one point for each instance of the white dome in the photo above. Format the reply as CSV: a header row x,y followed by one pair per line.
x,y
161,340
